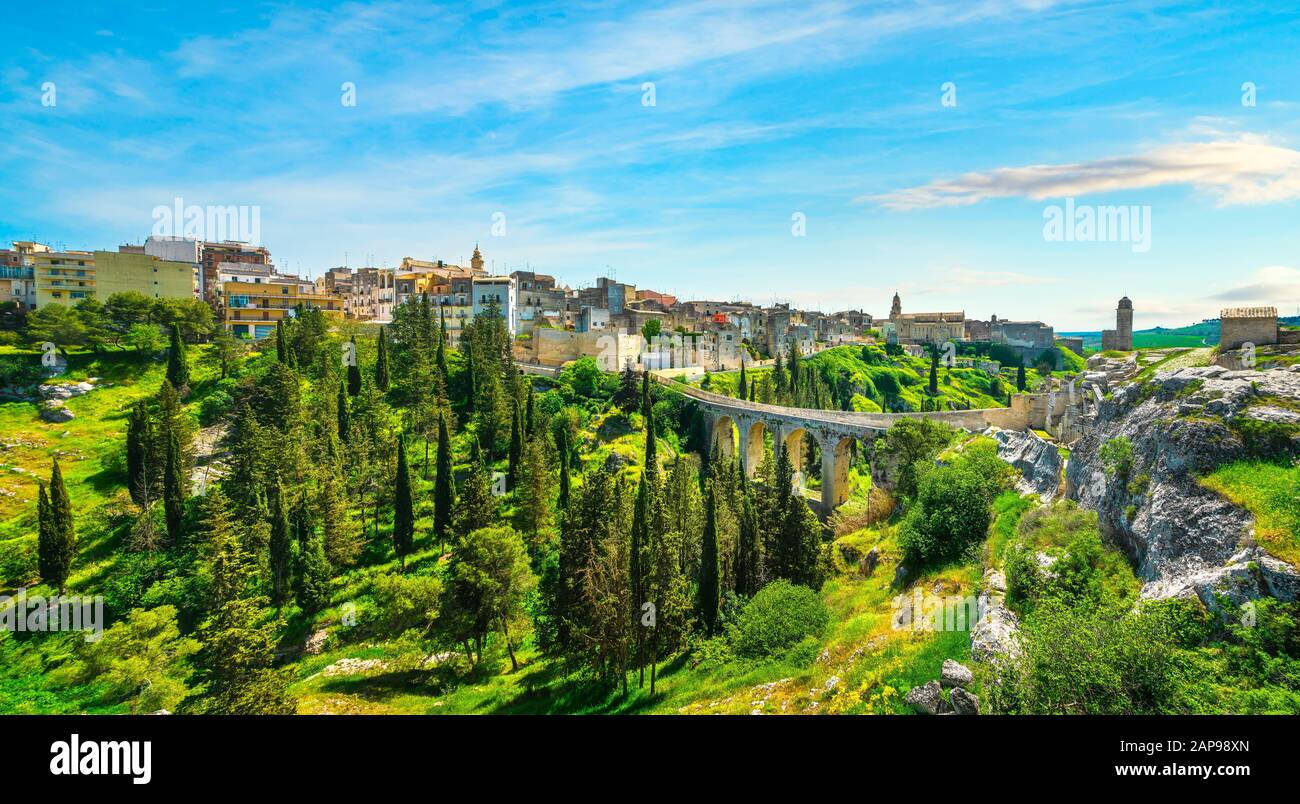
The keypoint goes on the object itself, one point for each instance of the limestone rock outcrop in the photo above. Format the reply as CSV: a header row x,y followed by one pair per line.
x,y
1038,460
1183,538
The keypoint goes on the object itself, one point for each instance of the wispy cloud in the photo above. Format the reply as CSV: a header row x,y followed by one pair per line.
x,y
1274,284
1249,169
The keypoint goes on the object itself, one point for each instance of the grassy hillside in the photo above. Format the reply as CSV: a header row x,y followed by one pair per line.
x,y
872,380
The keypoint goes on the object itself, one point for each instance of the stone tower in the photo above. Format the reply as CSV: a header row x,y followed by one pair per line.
x,y
1124,324
895,309
476,261
1120,339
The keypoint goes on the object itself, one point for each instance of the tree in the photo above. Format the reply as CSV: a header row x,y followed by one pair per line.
x,y
535,494
440,359
174,488
516,448
354,371
226,350
934,371
281,540
139,437
381,362
312,580
144,338
281,344
477,507
403,507
749,558
742,387
57,324
178,368
237,663
1020,376
143,659
345,424
490,580
57,540
709,592
444,488
562,446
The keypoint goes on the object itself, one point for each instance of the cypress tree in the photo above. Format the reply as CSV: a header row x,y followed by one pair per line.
x,y
516,448
477,506
345,418
647,413
54,553
528,418
441,359
748,553
138,438
381,363
45,548
471,379
562,439
444,489
281,347
636,563
280,545
709,592
403,508
1020,376
354,372
312,577
742,388
178,370
174,488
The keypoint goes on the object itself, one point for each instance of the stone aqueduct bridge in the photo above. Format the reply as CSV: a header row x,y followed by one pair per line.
x,y
834,431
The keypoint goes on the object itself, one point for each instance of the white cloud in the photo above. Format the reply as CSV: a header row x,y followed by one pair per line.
x,y
1249,169
1273,285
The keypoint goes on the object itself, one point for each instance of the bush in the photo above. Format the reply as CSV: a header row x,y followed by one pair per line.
x,y
1117,456
1084,571
950,512
779,617
403,602
1099,660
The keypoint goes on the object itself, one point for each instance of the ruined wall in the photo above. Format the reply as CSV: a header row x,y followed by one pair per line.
x,y
1233,332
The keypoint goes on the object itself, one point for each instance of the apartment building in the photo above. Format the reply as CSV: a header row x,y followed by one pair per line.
x,y
253,309
212,255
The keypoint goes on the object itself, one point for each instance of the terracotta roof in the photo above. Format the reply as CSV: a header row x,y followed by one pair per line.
x,y
1248,312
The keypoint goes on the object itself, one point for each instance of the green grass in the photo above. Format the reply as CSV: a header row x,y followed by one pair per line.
x,y
89,449
875,664
1271,492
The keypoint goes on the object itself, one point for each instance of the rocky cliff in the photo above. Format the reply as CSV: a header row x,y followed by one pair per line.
x,y
1183,538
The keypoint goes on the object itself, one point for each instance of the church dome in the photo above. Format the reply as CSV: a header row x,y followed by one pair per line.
x,y
1125,304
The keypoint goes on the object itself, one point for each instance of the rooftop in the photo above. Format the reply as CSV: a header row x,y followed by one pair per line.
x,y
1248,312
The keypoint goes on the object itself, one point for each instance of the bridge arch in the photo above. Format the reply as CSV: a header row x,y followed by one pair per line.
x,y
724,435
837,457
753,436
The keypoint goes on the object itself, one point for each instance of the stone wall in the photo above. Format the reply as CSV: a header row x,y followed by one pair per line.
x,y
1233,332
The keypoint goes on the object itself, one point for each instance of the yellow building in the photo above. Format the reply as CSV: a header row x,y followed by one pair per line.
x,y
116,271
254,309
66,277
63,277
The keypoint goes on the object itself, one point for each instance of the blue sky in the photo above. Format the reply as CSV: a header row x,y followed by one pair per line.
x,y
830,110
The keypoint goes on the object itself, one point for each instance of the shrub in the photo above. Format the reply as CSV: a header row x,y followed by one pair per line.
x,y
403,602
1117,456
1098,660
779,617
